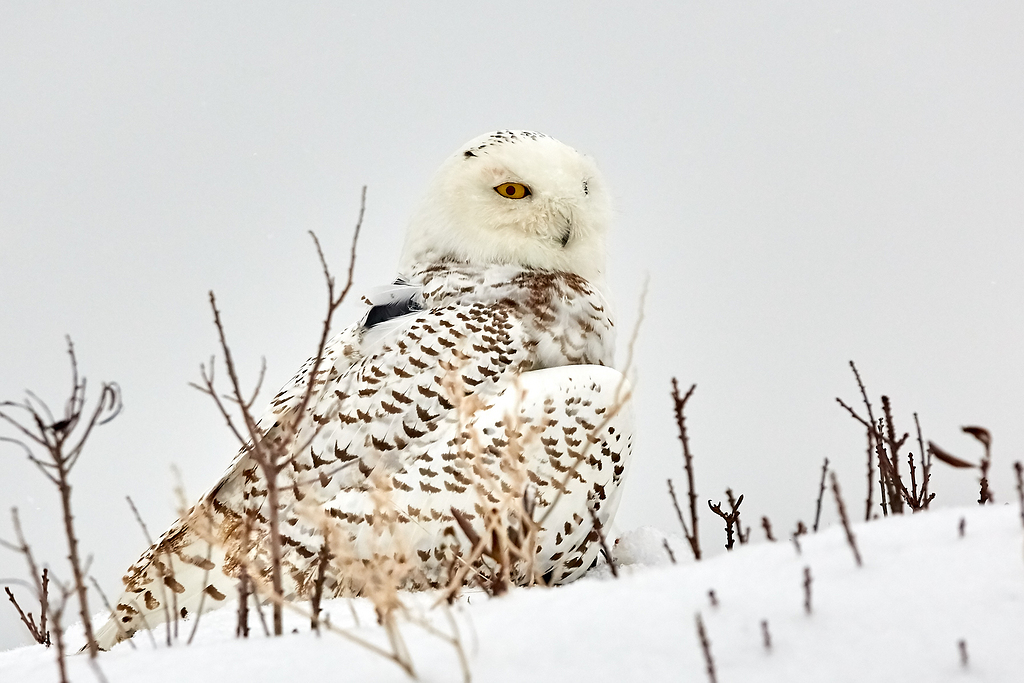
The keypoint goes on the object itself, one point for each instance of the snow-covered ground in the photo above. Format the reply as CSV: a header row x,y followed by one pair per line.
x,y
900,617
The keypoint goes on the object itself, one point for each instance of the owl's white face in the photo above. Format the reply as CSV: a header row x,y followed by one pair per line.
x,y
514,197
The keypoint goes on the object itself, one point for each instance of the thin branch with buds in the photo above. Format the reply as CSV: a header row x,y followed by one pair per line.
x,y
731,519
821,494
845,520
273,454
679,408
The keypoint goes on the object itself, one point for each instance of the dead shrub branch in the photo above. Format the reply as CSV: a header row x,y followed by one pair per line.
x,y
54,444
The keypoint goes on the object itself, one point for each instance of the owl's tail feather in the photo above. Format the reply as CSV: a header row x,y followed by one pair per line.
x,y
175,580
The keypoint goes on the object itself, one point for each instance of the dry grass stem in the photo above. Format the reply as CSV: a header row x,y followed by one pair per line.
x,y
845,520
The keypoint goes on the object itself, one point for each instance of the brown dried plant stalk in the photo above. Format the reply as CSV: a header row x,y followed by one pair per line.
x,y
39,632
380,593
821,494
40,585
870,432
807,589
54,444
845,520
273,455
884,448
679,408
731,519
705,646
1018,469
604,543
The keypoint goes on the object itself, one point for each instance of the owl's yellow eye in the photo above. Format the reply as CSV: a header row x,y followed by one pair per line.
x,y
513,190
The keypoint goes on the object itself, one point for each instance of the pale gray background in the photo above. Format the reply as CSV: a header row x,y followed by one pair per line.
x,y
803,184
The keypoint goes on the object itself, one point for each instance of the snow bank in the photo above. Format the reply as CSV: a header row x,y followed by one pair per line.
x,y
900,617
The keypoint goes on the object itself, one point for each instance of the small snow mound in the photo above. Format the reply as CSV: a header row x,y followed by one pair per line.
x,y
643,546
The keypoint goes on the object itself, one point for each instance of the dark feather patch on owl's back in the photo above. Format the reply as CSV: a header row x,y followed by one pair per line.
x,y
389,311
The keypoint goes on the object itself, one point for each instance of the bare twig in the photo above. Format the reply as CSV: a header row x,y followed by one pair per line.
x,y
821,494
323,557
62,441
272,455
705,647
604,543
962,647
202,597
846,522
38,632
113,614
57,617
742,536
668,549
800,531
766,636
893,471
767,526
870,431
679,512
925,499
242,623
807,589
985,437
40,582
160,567
1019,471
731,518
679,408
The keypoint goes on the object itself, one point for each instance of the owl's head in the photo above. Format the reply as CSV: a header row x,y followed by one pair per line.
x,y
514,197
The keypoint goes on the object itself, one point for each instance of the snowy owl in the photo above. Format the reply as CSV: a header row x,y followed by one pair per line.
x,y
477,384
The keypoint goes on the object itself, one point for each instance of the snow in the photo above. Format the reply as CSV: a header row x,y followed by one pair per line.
x,y
900,617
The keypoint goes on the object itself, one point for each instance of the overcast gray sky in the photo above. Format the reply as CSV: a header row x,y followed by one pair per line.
x,y
804,183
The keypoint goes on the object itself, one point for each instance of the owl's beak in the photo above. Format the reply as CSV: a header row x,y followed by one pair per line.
x,y
566,235
566,231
